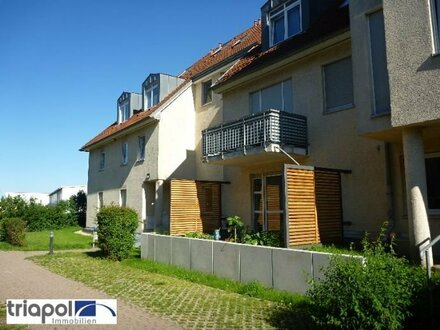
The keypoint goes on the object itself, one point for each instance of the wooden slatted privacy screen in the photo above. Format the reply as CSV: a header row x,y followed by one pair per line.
x,y
329,205
301,218
313,205
194,206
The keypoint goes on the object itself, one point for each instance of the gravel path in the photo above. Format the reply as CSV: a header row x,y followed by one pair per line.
x,y
21,278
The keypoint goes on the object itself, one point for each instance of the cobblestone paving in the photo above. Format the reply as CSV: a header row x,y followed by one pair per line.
x,y
191,305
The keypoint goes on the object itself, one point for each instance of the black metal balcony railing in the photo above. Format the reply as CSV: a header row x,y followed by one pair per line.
x,y
270,126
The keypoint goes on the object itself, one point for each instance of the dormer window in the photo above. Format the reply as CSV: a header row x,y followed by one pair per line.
x,y
284,22
124,111
152,96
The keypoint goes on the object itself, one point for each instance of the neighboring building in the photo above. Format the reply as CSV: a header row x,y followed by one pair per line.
x,y
65,192
41,198
149,158
325,130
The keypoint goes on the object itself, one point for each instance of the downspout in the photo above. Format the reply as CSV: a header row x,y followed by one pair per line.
x,y
389,190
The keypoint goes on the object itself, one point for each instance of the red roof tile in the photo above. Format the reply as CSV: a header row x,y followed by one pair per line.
x,y
239,43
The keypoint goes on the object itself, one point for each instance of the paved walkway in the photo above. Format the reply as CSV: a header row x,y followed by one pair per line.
x,y
21,278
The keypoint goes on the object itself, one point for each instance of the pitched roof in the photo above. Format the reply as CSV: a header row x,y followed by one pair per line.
x,y
335,20
237,45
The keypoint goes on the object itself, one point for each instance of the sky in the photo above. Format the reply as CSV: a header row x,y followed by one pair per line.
x,y
64,63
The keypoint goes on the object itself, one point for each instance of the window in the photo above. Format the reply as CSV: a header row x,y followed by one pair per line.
x,y
124,111
152,96
123,198
278,97
435,18
338,85
432,165
206,92
141,148
100,200
268,207
102,160
124,159
285,22
381,90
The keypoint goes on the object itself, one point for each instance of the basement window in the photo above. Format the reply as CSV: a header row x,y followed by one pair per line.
x,y
432,166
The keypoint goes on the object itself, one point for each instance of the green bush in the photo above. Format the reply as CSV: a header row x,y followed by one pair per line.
x,y
374,295
2,231
116,230
198,235
266,238
79,203
15,229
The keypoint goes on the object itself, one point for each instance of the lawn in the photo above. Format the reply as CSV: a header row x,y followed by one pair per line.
x,y
64,239
192,300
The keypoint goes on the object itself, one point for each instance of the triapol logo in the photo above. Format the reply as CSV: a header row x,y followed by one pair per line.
x,y
61,311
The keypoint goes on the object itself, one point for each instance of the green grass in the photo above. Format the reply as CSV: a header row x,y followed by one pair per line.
x,y
336,249
193,300
64,239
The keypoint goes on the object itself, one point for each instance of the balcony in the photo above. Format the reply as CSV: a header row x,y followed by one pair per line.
x,y
256,134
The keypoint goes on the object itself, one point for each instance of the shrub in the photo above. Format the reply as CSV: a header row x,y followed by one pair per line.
x,y
12,207
374,295
198,235
116,229
2,231
236,228
15,229
266,238
79,203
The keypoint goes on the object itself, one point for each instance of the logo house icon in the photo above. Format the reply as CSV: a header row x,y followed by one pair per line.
x,y
88,308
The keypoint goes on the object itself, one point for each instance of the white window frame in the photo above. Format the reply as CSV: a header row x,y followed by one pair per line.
x,y
121,200
283,11
149,96
124,111
124,156
435,33
141,148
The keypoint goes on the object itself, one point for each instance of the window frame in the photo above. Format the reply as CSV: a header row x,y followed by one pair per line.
x,y
324,85
124,111
123,199
281,11
435,26
124,156
149,95
375,113
260,97
102,160
206,93
141,148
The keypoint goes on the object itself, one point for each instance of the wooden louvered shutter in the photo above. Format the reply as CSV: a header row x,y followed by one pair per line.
x,y
301,215
184,207
194,206
329,205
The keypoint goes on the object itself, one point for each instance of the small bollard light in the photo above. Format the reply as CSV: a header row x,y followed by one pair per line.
x,y
51,242
94,238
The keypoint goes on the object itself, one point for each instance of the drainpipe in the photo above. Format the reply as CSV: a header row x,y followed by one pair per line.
x,y
390,191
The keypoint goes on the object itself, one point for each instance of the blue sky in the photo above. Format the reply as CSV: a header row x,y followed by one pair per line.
x,y
64,63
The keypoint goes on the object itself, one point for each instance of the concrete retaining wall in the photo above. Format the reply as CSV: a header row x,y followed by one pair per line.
x,y
281,269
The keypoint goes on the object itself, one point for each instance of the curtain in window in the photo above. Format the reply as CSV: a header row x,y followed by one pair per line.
x,y
293,21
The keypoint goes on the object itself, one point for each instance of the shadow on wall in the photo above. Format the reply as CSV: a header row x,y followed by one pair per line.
x,y
431,63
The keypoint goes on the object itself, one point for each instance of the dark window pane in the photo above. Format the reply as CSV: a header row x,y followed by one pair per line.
x,y
433,182
338,84
293,21
271,98
255,102
287,96
206,92
277,30
379,62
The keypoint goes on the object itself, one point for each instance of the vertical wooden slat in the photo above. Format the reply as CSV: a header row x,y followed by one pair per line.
x,y
301,215
194,206
329,205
